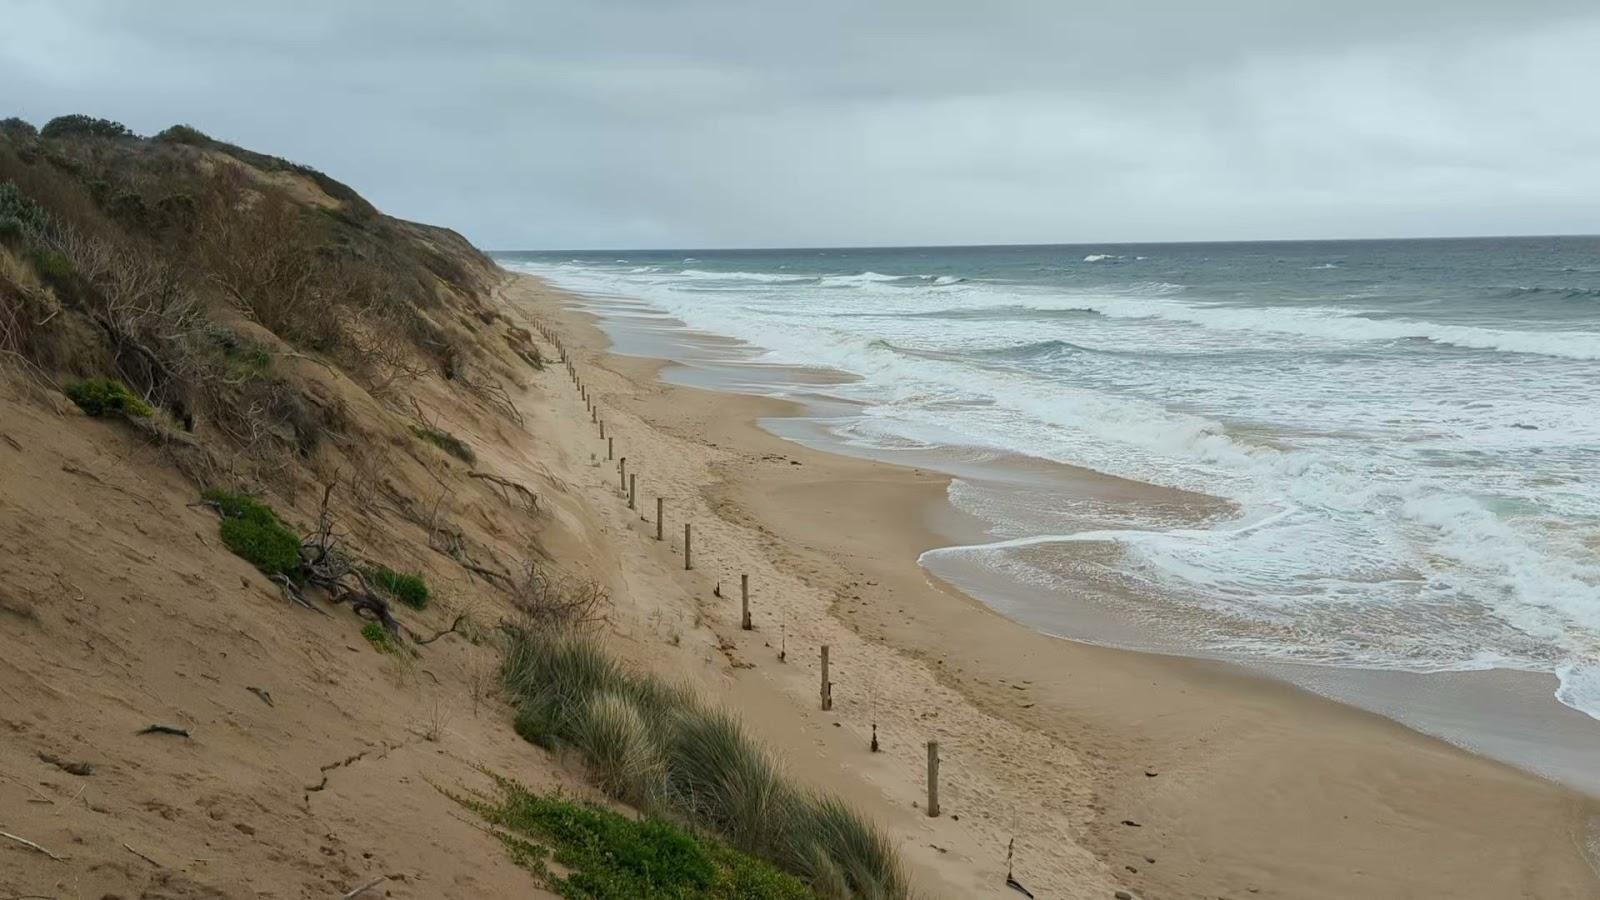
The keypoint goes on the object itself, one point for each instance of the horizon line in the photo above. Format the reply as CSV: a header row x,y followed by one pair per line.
x,y
774,247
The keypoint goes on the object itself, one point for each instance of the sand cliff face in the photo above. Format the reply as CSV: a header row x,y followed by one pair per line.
x,y
287,338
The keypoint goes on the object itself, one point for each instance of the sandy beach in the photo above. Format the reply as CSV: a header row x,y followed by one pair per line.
x,y
1113,770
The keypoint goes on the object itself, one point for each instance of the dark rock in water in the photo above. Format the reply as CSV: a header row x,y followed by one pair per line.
x,y
1123,895
1131,823
1524,426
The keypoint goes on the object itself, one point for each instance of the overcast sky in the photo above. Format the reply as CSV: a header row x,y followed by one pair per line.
x,y
751,123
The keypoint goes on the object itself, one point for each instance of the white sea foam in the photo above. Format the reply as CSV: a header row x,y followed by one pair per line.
x,y
1100,257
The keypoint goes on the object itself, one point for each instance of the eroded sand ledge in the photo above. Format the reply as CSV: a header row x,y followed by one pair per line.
x,y
1258,788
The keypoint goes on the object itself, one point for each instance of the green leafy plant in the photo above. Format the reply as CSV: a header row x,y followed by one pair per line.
x,y
378,637
611,857
447,442
254,532
408,589
107,396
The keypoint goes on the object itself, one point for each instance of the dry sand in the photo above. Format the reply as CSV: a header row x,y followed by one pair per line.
x,y
1240,786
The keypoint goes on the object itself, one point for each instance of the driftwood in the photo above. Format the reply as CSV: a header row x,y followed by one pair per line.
x,y
27,843
329,567
451,630
528,496
164,729
362,889
142,856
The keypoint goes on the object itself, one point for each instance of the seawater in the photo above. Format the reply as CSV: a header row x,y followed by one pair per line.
x,y
1407,432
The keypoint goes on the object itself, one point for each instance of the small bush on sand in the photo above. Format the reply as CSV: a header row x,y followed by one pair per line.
x,y
377,637
447,442
253,531
408,589
661,749
107,397
611,857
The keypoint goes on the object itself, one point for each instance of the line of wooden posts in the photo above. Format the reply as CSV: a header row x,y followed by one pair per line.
x,y
628,484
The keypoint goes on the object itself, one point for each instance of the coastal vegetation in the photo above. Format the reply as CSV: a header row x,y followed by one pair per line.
x,y
268,335
608,856
659,748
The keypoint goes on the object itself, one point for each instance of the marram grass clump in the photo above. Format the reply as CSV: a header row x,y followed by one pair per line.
x,y
107,397
608,856
253,531
408,589
665,752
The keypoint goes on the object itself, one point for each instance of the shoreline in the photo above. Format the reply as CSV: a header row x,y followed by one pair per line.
x,y
1490,712
1246,767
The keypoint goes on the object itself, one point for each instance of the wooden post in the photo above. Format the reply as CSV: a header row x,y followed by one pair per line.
x,y
659,504
933,779
633,484
687,564
827,686
622,474
744,602
611,443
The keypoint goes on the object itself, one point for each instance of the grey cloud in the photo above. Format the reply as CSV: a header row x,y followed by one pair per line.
x,y
728,123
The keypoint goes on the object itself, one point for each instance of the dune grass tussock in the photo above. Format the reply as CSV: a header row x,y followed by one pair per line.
x,y
408,589
663,750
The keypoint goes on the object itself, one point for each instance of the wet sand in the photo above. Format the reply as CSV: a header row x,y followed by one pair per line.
x,y
1240,785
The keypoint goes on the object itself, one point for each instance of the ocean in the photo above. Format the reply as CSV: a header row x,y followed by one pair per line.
x,y
1404,435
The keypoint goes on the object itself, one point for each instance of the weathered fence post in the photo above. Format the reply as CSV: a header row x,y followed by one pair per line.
x,y
633,479
622,474
744,602
827,686
611,443
659,504
687,564
933,778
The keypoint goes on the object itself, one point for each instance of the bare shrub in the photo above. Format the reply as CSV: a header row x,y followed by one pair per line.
x,y
544,599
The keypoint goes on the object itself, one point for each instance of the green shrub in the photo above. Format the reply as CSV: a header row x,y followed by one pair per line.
x,y
77,125
379,638
53,267
408,589
660,748
184,134
16,128
611,857
19,213
447,442
253,531
107,396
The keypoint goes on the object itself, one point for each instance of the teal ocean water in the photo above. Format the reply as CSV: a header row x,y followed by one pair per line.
x,y
1409,431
